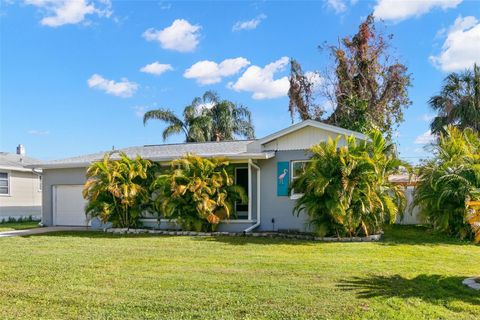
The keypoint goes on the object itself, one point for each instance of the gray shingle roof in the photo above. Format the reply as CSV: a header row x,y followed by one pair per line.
x,y
165,152
13,161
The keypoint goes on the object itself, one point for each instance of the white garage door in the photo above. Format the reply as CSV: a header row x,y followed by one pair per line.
x,y
69,205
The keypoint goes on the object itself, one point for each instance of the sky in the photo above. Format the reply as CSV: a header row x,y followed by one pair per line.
x,y
77,76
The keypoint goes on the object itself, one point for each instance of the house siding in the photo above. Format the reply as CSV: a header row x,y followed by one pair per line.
x,y
276,207
25,197
53,177
301,139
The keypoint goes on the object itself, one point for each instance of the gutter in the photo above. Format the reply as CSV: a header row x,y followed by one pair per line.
x,y
84,164
250,163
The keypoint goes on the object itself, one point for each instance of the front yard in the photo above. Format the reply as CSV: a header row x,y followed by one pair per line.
x,y
22,225
411,274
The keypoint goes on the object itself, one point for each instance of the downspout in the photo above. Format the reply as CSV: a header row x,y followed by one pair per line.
x,y
250,162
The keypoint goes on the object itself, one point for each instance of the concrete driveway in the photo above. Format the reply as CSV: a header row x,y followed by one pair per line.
x,y
29,232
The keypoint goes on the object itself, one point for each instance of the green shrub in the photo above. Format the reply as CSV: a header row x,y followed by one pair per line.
x,y
197,192
347,191
116,190
449,180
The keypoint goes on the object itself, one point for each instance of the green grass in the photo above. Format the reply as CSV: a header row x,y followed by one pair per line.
x,y
411,274
9,226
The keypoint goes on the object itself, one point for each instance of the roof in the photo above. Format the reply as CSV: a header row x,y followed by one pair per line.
x,y
16,162
311,123
234,150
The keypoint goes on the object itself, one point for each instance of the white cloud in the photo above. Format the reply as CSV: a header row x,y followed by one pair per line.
x,y
61,12
209,72
398,10
425,138
461,48
156,68
38,132
427,117
123,88
338,6
261,83
250,24
180,36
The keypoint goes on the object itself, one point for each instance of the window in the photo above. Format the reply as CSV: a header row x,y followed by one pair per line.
x,y
298,168
241,179
40,183
4,183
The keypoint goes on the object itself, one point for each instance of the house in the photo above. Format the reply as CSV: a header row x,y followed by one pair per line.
x,y
411,214
265,167
20,186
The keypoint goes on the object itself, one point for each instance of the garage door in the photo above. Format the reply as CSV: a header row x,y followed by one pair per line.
x,y
69,205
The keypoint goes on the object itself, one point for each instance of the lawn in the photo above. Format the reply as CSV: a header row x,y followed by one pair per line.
x,y
9,226
411,274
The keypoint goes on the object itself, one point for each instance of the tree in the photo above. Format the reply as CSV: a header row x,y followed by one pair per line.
x,y
458,102
346,188
197,192
449,180
116,190
300,95
366,84
207,118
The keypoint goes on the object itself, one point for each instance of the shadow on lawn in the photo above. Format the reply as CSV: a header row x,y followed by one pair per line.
x,y
435,289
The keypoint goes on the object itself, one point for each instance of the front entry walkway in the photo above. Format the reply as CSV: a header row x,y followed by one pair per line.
x,y
29,232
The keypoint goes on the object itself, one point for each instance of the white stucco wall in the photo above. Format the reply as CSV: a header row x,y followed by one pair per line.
x,y
25,196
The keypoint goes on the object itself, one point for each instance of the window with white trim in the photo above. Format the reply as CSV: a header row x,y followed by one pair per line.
x,y
298,168
40,183
4,183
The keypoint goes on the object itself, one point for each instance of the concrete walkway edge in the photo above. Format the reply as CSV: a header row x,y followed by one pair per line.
x,y
29,232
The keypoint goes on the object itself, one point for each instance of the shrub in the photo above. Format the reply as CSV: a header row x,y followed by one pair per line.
x,y
347,191
116,190
449,180
197,192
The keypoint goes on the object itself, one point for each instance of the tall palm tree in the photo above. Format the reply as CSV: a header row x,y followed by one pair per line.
x,y
228,119
207,118
458,103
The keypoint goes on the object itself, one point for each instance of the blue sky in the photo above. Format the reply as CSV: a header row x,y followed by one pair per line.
x,y
71,79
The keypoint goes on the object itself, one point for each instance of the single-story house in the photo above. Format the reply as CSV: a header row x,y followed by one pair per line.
x,y
20,186
264,167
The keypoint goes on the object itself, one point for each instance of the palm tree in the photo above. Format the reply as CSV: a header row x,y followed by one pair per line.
x,y
228,119
207,118
195,126
197,192
115,189
449,181
346,188
458,102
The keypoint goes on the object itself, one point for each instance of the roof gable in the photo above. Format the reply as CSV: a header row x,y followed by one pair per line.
x,y
302,136
315,124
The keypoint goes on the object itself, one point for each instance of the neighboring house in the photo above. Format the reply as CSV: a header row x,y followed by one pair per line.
x,y
20,186
265,167
411,215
